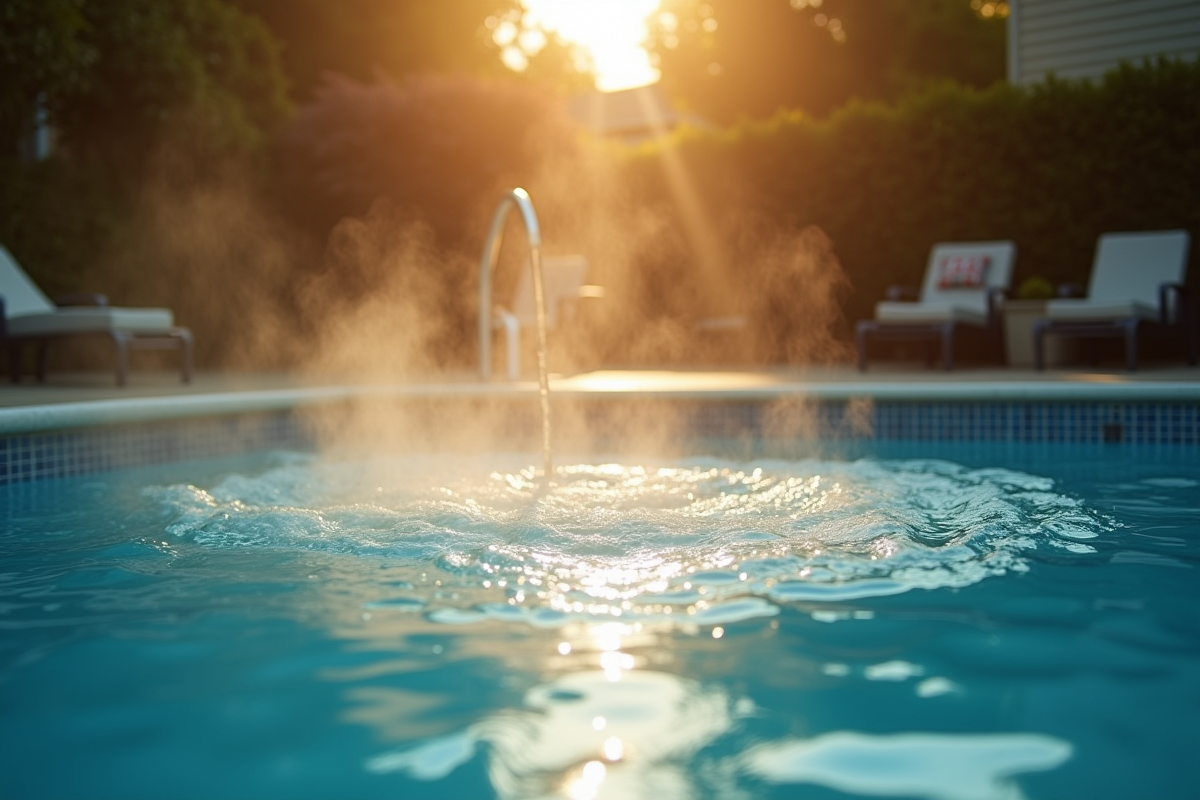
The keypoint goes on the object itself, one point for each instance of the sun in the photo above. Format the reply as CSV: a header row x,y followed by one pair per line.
x,y
612,32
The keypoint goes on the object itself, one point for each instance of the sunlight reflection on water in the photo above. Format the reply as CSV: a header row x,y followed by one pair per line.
x,y
617,555
706,541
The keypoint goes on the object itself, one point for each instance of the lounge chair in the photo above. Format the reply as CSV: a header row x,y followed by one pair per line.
x,y
563,280
964,282
28,316
1136,284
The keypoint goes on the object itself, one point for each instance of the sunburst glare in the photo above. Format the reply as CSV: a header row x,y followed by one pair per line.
x,y
610,31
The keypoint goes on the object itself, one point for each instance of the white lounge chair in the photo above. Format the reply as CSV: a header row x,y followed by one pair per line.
x,y
964,282
564,282
28,316
1137,282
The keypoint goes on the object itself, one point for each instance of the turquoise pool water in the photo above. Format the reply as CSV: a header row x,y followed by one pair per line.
x,y
924,621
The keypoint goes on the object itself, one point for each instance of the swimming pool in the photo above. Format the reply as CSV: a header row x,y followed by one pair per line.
x,y
932,620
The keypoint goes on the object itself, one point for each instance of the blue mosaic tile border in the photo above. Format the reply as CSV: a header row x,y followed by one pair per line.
x,y
37,456
59,454
1067,423
1053,423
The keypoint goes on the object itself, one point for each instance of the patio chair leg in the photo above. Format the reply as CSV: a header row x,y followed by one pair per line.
x,y
185,355
948,348
121,351
1131,356
14,363
860,340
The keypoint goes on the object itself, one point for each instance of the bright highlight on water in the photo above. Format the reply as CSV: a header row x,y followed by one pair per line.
x,y
706,540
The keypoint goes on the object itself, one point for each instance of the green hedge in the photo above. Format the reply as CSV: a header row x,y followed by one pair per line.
x,y
57,217
1051,167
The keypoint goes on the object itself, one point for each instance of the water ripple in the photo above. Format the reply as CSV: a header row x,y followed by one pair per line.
x,y
715,540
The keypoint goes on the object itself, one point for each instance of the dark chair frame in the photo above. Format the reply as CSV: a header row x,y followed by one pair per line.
x,y
175,338
934,334
1128,328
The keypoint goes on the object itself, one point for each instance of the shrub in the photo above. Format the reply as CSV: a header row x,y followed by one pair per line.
x,y
1051,167
440,148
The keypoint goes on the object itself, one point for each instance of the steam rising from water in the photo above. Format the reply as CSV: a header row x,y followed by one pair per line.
x,y
701,541
385,295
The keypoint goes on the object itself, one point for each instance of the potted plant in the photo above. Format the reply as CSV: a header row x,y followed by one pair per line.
x,y
1020,313
1035,288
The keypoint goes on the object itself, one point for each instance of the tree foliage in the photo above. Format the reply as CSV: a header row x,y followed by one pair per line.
x,y
361,39
119,75
200,69
126,86
726,59
437,146
45,55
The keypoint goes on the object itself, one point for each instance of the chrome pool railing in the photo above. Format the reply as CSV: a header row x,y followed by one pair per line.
x,y
519,198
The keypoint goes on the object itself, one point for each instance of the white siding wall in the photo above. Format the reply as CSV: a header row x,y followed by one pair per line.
x,y
1086,38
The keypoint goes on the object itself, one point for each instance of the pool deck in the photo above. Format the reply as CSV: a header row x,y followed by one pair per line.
x,y
82,399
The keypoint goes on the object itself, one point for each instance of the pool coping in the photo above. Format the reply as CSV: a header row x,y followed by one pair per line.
x,y
69,431
653,385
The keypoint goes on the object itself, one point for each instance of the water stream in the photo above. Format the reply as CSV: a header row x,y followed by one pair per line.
x,y
491,253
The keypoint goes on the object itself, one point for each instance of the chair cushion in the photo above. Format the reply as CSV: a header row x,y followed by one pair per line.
x,y
1079,310
92,319
963,271
960,263
917,313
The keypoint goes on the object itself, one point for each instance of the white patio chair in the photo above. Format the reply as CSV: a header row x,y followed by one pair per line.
x,y
963,285
1137,283
27,316
564,282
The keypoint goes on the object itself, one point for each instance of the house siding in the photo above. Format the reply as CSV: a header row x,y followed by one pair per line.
x,y
1077,39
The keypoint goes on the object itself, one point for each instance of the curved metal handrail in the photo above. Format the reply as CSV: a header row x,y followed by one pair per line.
x,y
491,254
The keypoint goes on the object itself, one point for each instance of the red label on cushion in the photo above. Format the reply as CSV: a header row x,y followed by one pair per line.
x,y
963,272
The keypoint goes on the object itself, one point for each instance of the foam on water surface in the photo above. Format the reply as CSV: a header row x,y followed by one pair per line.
x,y
710,540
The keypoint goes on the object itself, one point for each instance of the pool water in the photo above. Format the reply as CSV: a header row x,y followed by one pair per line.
x,y
921,621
